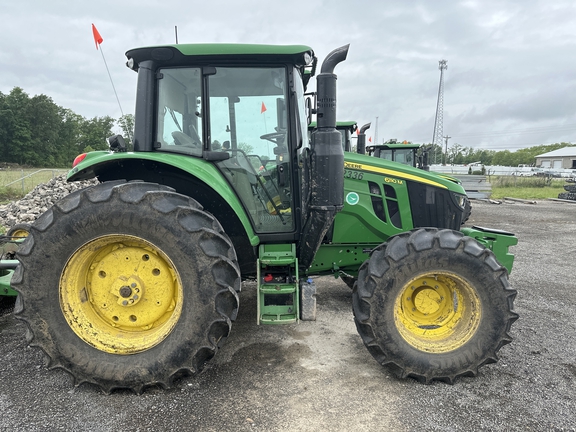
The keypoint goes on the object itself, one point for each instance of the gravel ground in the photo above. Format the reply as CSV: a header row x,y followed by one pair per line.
x,y
317,376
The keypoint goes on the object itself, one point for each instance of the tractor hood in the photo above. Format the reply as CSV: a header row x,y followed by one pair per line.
x,y
358,162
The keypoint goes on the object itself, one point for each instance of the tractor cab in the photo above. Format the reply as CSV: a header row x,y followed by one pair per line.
x,y
346,129
402,152
247,118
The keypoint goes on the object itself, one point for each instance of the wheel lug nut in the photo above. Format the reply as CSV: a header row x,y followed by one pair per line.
x,y
125,291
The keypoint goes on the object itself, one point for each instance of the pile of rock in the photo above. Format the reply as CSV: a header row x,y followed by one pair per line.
x,y
37,201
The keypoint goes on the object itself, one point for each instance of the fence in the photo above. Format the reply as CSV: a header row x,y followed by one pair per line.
x,y
26,180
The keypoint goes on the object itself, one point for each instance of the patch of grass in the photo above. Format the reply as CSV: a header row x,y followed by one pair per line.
x,y
526,187
526,193
9,194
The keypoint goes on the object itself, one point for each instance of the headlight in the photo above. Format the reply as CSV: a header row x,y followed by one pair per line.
x,y
459,199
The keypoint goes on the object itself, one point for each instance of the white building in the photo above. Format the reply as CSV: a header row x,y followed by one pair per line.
x,y
561,158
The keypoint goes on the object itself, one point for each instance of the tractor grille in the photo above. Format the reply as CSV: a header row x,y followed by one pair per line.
x,y
434,207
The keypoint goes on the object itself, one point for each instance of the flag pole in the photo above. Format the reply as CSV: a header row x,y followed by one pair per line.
x,y
262,113
98,40
111,82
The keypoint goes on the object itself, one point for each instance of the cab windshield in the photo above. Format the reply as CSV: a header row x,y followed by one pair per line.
x,y
403,156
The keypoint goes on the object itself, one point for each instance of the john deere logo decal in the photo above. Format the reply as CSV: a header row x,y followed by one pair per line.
x,y
352,198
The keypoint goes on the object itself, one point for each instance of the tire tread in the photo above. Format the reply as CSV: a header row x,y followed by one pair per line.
x,y
372,277
213,242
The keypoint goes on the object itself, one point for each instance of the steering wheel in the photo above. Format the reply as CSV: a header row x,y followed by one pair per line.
x,y
273,136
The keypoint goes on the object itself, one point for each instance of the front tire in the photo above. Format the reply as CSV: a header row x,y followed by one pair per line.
x,y
19,231
127,285
433,305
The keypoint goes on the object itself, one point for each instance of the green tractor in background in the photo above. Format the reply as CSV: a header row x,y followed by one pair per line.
x,y
136,281
406,153
346,129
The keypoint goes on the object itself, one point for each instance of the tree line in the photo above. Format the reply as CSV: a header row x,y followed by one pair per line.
x,y
458,155
37,132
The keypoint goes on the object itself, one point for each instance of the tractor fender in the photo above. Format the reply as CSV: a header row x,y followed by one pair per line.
x,y
190,176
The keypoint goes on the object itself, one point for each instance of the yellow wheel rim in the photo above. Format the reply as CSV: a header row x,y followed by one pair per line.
x,y
20,233
437,312
121,294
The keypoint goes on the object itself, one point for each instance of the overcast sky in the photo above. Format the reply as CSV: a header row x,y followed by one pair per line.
x,y
510,82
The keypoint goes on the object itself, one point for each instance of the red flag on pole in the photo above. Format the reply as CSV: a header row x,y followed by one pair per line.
x,y
97,38
357,131
263,108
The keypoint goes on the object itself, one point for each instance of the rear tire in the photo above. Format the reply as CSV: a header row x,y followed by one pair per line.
x,y
127,285
433,305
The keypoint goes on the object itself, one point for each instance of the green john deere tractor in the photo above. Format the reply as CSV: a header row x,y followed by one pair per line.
x,y
405,152
135,281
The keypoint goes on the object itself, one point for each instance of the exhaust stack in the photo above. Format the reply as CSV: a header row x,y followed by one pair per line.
x,y
361,143
327,163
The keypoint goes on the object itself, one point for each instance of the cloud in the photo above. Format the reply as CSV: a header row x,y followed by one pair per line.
x,y
509,64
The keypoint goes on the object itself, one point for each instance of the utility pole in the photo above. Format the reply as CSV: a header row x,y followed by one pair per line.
x,y
439,121
446,152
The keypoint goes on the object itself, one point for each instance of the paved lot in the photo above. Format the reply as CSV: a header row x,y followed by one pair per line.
x,y
317,376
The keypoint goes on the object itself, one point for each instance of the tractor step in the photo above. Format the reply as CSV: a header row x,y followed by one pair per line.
x,y
278,290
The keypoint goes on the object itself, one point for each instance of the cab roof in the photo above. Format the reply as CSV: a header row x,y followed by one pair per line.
x,y
181,54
